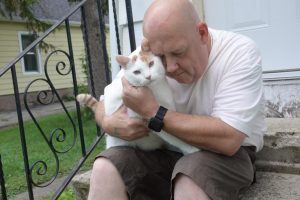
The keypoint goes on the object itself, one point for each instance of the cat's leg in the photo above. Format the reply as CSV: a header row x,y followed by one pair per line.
x,y
150,142
184,147
114,142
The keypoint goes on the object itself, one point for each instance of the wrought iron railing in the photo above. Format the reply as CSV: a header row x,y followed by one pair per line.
x,y
47,96
2,182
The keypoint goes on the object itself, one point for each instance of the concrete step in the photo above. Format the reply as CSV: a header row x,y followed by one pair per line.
x,y
281,152
81,185
269,186
273,186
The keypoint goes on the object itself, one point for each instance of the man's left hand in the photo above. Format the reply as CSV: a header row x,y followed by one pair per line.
x,y
139,99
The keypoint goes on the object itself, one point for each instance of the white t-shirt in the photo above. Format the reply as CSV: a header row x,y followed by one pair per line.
x,y
231,87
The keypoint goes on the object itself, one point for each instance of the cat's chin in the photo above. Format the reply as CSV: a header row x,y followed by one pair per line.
x,y
139,84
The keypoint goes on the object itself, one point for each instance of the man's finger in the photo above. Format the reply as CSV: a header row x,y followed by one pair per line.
x,y
123,109
125,83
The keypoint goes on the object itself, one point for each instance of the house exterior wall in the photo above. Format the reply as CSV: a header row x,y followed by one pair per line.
x,y
282,99
9,48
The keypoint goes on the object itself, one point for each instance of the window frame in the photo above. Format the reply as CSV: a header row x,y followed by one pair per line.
x,y
37,55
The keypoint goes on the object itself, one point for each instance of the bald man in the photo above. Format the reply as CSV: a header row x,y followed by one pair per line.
x,y
216,81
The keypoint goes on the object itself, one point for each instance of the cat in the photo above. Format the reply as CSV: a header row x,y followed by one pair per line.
x,y
140,68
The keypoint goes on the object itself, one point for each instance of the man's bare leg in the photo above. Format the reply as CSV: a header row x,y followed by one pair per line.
x,y
106,182
186,188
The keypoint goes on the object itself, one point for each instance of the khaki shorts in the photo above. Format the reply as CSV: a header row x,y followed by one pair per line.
x,y
148,175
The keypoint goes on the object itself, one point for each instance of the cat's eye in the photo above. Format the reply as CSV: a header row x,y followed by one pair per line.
x,y
151,63
136,72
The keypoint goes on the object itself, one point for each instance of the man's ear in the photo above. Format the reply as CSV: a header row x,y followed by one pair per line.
x,y
122,60
203,31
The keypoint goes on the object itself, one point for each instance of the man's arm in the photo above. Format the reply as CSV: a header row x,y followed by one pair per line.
x,y
202,131
119,124
205,132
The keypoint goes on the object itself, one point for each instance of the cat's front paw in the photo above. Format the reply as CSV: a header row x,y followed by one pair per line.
x,y
189,150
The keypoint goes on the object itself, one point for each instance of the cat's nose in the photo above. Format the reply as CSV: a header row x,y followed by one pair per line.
x,y
148,77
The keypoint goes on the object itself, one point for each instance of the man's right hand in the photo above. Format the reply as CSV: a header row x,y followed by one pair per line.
x,y
120,125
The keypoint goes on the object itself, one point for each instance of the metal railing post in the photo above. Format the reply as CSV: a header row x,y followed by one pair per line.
x,y
22,133
116,26
2,182
130,24
103,43
72,63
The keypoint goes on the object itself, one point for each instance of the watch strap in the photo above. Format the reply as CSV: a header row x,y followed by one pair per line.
x,y
156,123
161,113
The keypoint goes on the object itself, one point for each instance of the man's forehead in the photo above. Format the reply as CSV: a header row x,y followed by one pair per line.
x,y
163,47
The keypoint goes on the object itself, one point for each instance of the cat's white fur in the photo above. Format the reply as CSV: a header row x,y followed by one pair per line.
x,y
162,92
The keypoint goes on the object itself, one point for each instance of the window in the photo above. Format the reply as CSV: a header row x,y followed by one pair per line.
x,y
31,61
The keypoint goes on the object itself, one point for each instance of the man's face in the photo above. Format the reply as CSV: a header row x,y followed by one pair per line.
x,y
185,58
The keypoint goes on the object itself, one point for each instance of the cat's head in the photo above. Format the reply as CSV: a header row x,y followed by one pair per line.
x,y
142,67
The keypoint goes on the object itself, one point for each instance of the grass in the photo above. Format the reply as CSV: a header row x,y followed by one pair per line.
x,y
38,150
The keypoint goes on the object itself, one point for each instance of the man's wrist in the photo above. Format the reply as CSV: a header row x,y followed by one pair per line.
x,y
151,113
156,123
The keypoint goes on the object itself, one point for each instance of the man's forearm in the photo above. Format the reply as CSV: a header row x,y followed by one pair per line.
x,y
204,131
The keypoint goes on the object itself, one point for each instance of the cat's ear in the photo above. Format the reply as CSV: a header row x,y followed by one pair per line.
x,y
122,60
145,45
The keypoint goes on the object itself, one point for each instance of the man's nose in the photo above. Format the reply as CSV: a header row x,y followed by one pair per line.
x,y
171,65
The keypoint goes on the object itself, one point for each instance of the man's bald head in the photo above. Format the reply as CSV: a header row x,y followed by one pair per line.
x,y
176,34
170,15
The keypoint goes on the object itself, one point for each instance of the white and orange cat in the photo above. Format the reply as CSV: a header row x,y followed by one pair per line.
x,y
140,68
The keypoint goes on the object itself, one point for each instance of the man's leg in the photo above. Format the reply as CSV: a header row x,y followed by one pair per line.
x,y
106,182
220,177
141,174
183,184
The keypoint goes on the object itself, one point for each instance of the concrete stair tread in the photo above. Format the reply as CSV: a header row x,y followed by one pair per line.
x,y
281,125
272,186
269,186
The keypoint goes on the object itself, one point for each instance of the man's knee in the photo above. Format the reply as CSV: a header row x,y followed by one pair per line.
x,y
186,188
106,181
104,171
104,166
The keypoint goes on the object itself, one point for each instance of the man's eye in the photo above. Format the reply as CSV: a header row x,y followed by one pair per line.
x,y
177,53
136,72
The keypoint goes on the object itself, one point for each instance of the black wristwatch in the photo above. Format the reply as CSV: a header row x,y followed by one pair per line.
x,y
156,123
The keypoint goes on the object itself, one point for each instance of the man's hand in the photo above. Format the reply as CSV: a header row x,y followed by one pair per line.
x,y
139,99
120,125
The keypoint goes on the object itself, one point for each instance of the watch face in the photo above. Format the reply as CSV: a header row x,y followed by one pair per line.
x,y
155,124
